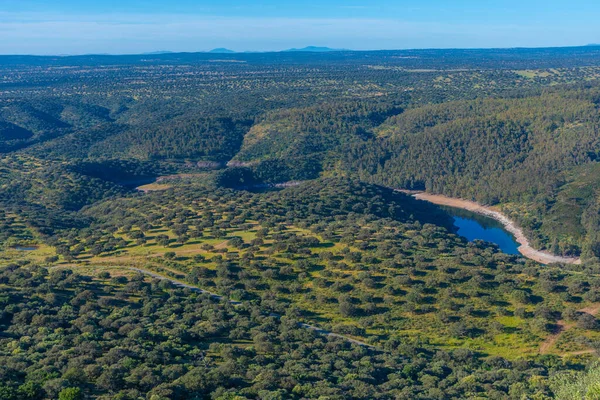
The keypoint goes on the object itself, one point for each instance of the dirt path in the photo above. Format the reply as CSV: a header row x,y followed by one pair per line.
x,y
562,326
549,342
525,249
196,289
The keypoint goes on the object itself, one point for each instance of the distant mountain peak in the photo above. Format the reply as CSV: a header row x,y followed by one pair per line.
x,y
315,49
221,50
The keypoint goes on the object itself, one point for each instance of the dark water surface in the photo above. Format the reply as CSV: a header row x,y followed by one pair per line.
x,y
475,226
26,248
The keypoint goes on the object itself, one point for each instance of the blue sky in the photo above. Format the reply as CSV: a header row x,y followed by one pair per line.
x,y
134,26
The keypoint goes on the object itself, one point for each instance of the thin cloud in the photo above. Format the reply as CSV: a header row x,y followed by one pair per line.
x,y
54,33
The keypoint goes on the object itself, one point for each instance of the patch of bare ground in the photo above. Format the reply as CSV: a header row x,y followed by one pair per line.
x,y
562,327
550,341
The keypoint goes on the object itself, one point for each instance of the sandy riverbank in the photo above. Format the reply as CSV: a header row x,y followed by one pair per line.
x,y
525,248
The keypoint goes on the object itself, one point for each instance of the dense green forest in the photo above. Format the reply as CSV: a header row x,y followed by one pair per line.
x,y
361,259
67,336
521,150
268,180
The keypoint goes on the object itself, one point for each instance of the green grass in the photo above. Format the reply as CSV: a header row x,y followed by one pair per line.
x,y
407,281
412,326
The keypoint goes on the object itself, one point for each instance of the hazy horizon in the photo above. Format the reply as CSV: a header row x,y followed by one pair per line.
x,y
69,27
284,50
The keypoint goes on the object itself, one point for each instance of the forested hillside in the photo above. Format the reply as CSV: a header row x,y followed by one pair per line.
x,y
517,151
357,259
269,181
316,131
212,139
66,336
494,151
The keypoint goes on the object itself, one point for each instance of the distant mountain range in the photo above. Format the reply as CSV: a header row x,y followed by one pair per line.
x,y
161,54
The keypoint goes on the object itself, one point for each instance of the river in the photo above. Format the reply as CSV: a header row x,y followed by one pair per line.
x,y
475,226
509,226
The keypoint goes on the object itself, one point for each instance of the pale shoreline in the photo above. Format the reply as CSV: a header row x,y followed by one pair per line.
x,y
525,249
